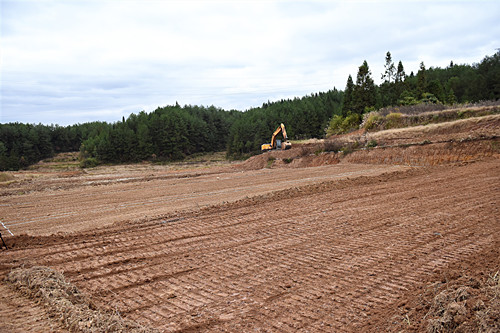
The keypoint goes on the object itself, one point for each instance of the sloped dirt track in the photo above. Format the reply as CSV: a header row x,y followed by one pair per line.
x,y
324,257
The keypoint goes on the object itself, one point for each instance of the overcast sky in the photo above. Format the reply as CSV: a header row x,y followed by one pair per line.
x,y
67,62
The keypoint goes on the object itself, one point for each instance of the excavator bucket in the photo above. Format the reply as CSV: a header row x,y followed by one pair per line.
x,y
286,145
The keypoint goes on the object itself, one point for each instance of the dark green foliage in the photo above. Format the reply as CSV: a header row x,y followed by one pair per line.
x,y
89,163
24,144
340,125
365,91
450,85
421,81
306,117
348,97
168,133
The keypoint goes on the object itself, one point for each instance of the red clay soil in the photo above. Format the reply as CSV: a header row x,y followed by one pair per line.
x,y
19,314
341,255
55,205
464,297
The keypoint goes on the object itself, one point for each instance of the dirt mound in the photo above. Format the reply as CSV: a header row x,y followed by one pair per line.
x,y
458,130
19,314
300,156
67,303
427,153
464,297
416,154
436,144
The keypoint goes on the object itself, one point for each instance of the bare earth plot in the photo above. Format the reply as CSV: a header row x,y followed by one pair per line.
x,y
322,259
336,248
81,203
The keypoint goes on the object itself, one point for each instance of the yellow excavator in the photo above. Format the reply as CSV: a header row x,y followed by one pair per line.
x,y
277,144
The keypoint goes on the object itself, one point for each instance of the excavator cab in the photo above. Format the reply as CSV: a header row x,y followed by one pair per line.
x,y
277,144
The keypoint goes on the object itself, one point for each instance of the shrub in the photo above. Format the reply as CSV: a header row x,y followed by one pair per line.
x,y
373,121
335,125
429,98
351,122
5,177
90,162
341,125
372,143
332,146
270,161
394,120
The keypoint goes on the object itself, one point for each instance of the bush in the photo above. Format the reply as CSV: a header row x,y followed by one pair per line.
x,y
350,147
5,177
341,125
332,146
270,161
371,144
394,120
335,125
373,121
90,162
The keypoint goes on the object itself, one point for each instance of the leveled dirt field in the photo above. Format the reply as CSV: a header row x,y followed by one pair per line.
x,y
367,246
83,202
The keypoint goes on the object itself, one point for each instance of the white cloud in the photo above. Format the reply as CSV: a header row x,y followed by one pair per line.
x,y
103,59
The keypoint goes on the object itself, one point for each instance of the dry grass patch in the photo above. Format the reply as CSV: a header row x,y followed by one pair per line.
x,y
66,303
489,123
6,177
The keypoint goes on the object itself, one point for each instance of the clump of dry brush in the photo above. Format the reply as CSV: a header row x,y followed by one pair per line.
x,y
66,303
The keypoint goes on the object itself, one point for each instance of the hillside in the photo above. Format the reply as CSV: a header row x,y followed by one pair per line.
x,y
457,141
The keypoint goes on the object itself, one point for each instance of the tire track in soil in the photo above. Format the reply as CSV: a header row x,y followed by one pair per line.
x,y
323,261
22,315
48,212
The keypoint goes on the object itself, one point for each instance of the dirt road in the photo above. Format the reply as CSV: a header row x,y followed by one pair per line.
x,y
323,257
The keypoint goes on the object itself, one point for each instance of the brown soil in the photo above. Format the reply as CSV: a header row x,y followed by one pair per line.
x,y
52,205
20,314
344,247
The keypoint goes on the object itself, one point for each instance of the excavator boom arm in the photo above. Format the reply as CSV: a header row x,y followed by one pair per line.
x,y
282,129
272,145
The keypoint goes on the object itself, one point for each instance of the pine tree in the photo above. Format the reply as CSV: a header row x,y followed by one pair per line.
x,y
400,74
450,97
390,70
421,80
347,104
365,93
400,84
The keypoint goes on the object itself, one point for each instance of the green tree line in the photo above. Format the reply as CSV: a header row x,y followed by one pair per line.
x,y
450,85
305,117
173,132
168,133
24,144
